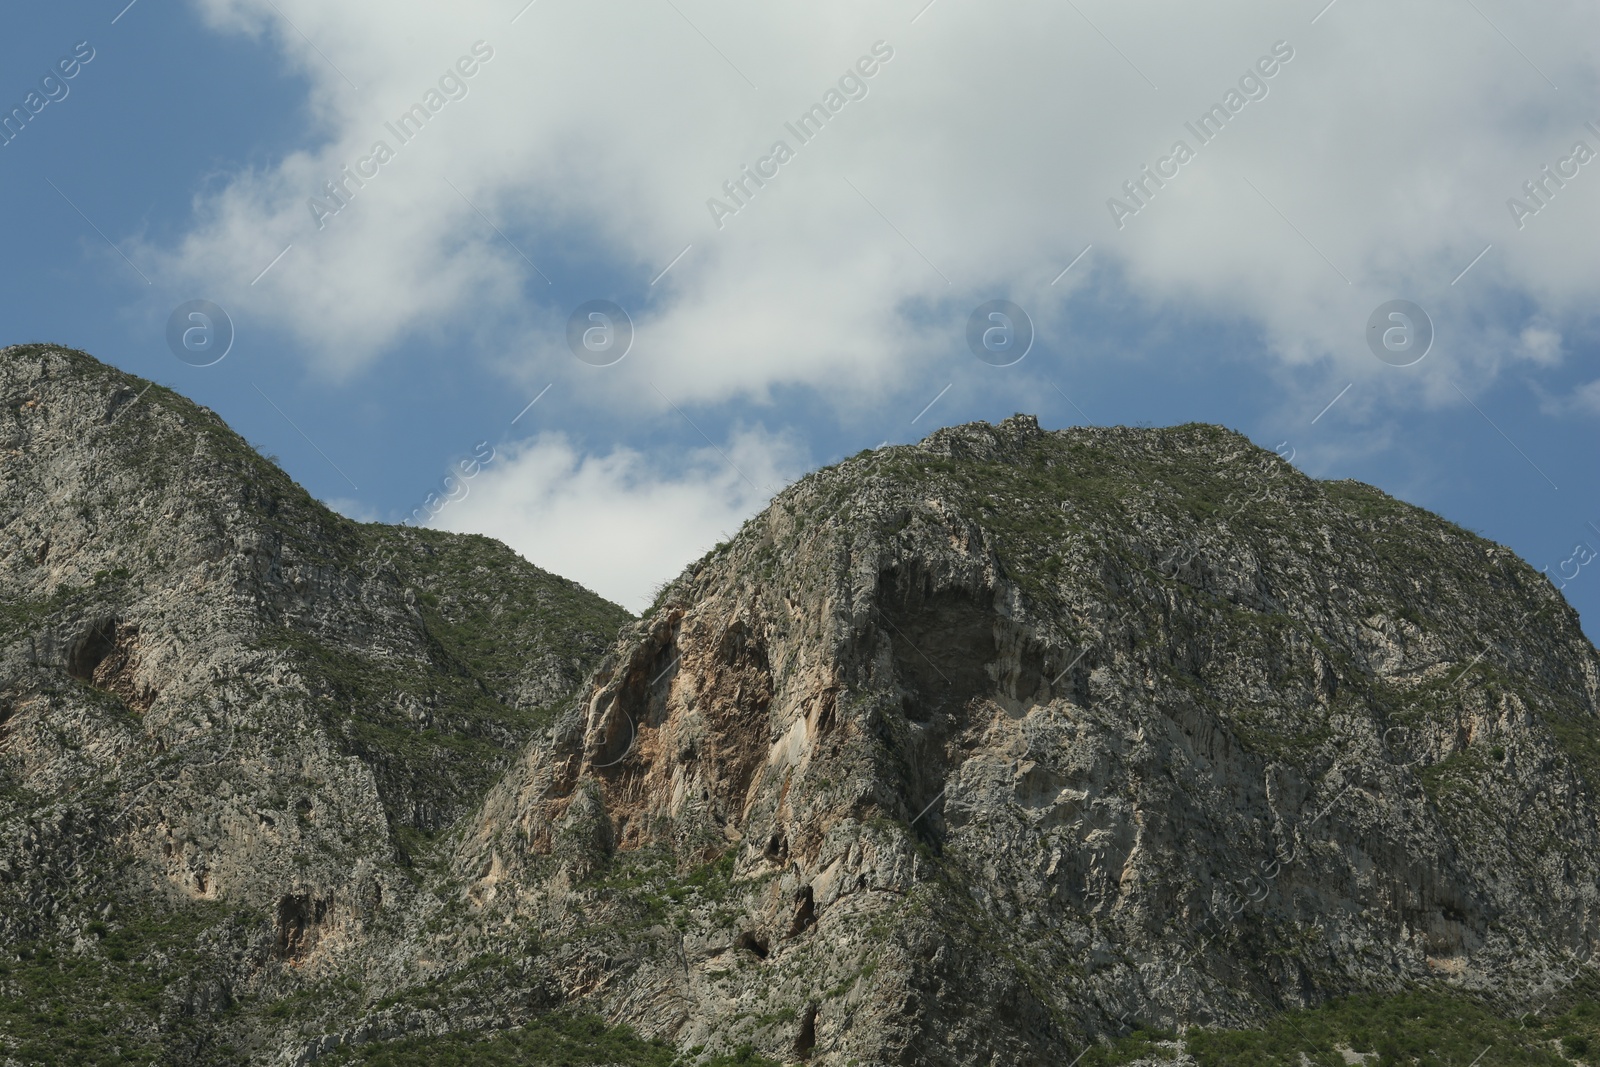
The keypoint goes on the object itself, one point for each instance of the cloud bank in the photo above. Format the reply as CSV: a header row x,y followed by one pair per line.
x,y
980,160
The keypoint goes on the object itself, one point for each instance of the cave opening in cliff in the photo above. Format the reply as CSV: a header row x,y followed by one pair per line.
x,y
90,648
298,918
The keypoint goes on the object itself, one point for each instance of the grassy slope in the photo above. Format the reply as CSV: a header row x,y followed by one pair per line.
x,y
556,1039
487,615
1416,1028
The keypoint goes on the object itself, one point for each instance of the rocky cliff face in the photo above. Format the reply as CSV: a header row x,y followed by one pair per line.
x,y
981,750
227,715
1013,738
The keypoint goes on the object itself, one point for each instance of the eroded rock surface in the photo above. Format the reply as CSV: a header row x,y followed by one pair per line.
x,y
970,752
1013,738
228,715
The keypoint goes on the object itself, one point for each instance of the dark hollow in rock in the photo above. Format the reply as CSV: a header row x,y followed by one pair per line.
x,y
753,944
298,918
806,1039
805,911
90,648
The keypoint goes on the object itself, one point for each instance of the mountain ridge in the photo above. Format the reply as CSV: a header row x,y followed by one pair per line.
x,y
1010,743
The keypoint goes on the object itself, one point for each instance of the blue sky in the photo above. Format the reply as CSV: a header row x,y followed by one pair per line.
x,y
579,161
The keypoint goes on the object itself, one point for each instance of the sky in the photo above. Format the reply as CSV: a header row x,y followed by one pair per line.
x,y
1363,234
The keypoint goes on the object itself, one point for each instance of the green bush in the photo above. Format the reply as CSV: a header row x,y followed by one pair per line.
x,y
560,1040
1418,1028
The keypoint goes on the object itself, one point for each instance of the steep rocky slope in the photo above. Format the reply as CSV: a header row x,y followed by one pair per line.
x,y
228,716
1009,746
1012,739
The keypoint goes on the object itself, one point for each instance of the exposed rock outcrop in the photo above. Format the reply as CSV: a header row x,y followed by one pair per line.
x,y
214,691
979,750
1011,739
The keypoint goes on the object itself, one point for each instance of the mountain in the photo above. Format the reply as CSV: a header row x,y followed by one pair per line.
x,y
1102,745
230,720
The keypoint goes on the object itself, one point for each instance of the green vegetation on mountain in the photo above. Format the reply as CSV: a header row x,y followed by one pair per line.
x,y
1011,746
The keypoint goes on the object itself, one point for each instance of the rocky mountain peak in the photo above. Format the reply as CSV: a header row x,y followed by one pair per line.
x,y
1087,723
227,713
994,747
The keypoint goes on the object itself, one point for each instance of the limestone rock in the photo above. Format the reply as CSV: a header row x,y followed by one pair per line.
x,y
973,751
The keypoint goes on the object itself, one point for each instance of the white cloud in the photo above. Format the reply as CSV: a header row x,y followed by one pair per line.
x,y
979,164
1583,400
1540,344
350,508
622,522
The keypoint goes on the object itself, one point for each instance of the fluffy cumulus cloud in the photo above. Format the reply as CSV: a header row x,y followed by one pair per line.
x,y
1327,163
621,522
1540,344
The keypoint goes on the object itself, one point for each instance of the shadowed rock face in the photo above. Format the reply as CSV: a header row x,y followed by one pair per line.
x,y
959,753
1053,734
